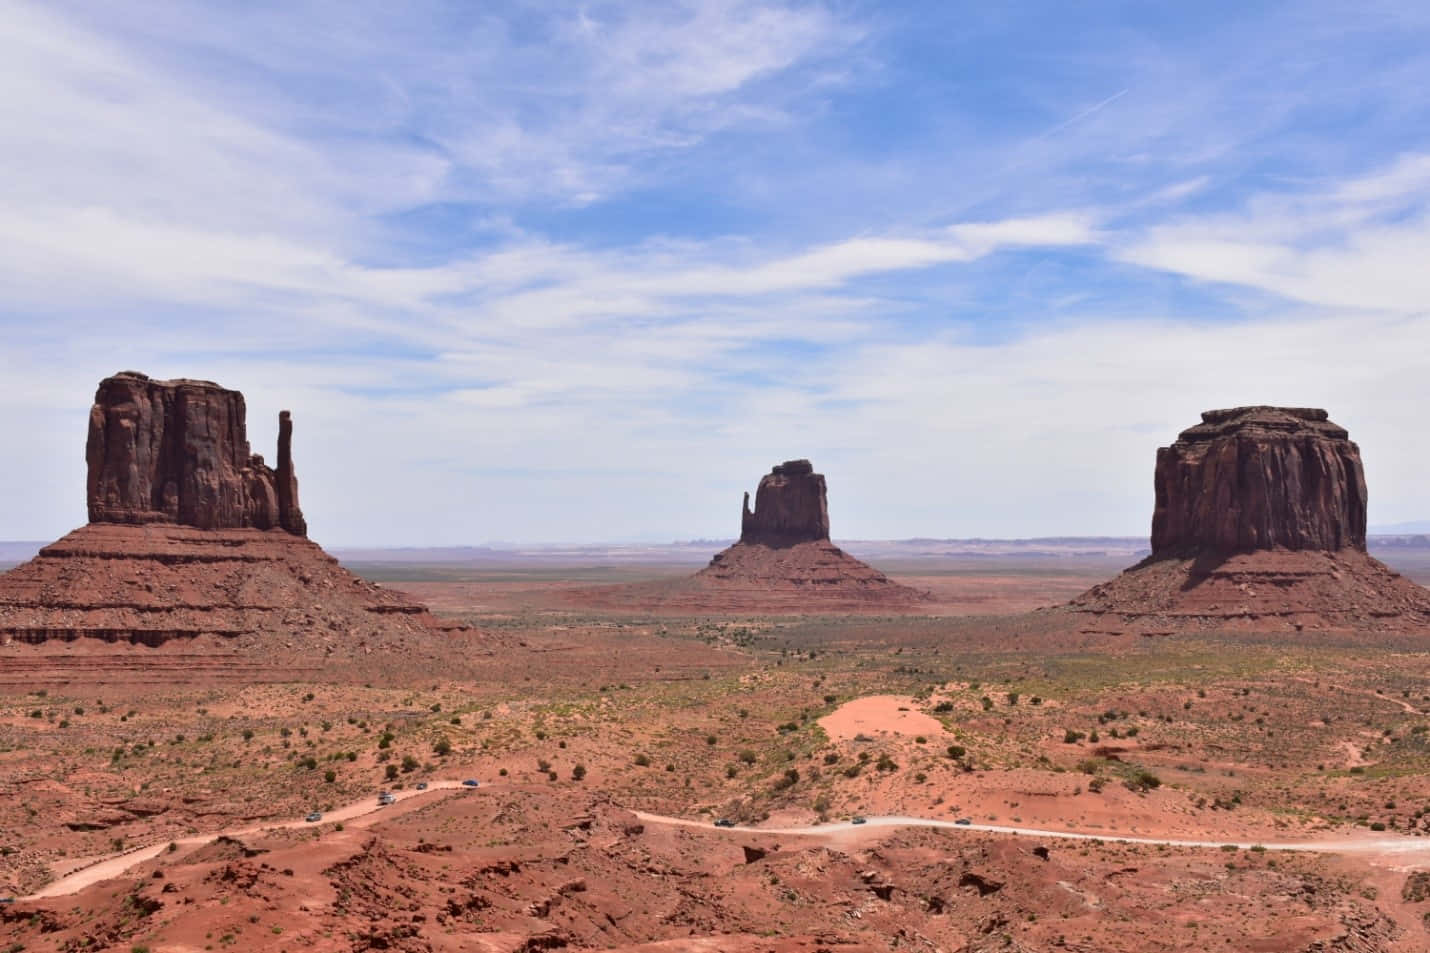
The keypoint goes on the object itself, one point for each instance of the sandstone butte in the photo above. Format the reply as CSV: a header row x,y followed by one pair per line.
x,y
783,562
1259,522
193,538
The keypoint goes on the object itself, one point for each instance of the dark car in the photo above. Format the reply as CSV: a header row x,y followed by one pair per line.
x,y
964,821
7,899
469,783
421,785
724,822
313,818
856,819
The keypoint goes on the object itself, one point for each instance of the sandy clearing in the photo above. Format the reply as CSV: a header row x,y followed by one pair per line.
x,y
875,715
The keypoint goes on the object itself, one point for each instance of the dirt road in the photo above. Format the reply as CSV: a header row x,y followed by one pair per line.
x,y
1402,852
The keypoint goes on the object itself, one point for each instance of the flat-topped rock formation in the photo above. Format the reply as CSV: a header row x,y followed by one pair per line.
x,y
791,507
1259,478
783,562
177,452
1259,522
193,537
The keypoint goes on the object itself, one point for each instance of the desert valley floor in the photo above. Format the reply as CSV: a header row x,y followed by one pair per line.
x,y
153,798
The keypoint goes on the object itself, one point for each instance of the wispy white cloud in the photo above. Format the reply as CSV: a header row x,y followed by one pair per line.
x,y
546,263
1358,244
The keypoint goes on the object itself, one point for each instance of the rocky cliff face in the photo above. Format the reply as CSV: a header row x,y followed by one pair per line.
x,y
177,452
1254,478
790,507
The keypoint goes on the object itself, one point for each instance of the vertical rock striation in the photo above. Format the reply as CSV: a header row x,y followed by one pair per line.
x,y
1259,524
1259,478
177,452
790,507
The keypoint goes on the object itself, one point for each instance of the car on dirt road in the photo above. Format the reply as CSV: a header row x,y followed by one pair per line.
x,y
313,818
469,783
384,799
724,822
856,819
421,785
964,821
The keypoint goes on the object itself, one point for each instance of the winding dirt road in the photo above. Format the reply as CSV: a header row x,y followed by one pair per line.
x,y
1415,850
1401,852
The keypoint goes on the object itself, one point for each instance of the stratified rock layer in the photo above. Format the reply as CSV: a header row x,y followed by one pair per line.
x,y
177,452
1259,478
153,583
194,538
791,507
1259,524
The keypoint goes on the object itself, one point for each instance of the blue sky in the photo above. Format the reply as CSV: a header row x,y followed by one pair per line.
x,y
580,272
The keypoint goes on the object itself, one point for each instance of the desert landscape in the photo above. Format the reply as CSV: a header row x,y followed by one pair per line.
x,y
213,736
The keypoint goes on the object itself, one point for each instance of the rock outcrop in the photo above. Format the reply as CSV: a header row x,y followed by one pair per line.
x,y
192,537
177,452
1259,478
790,507
1259,523
783,562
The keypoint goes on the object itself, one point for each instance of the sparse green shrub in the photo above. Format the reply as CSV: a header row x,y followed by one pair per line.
x,y
1143,780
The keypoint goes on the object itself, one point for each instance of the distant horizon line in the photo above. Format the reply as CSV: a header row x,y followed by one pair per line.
x,y
1410,528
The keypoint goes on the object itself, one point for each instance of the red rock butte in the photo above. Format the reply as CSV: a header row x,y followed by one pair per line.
x,y
192,537
783,561
177,452
1259,522
791,507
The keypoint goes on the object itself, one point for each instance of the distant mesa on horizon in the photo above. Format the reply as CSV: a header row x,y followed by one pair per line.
x,y
1259,523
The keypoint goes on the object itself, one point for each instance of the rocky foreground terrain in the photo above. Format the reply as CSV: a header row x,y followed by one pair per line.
x,y
1224,747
